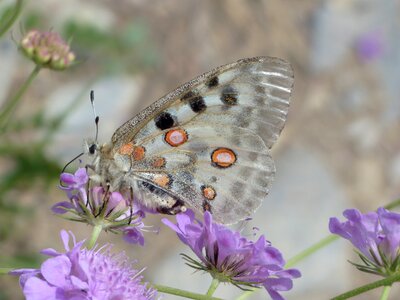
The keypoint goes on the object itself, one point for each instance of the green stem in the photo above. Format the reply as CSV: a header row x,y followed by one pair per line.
x,y
5,271
310,250
95,235
370,286
246,294
385,293
13,102
182,293
393,204
213,286
8,23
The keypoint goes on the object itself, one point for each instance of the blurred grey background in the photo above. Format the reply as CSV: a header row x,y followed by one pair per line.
x,y
339,149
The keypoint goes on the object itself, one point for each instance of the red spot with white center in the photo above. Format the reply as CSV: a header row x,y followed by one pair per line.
x,y
208,192
223,157
176,137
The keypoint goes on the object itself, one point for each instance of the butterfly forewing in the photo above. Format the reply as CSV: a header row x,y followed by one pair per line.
x,y
207,143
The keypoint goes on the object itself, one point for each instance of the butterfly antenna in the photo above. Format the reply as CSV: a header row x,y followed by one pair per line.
x,y
96,117
71,161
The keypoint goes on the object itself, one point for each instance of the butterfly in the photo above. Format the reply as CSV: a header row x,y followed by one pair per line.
x,y
205,145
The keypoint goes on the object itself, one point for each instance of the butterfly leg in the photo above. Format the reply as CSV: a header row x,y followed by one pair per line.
x,y
88,203
130,205
105,198
206,206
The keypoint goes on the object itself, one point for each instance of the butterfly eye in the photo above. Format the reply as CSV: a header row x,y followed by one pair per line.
x,y
92,149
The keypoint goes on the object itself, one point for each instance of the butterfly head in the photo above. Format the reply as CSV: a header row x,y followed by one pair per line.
x,y
90,147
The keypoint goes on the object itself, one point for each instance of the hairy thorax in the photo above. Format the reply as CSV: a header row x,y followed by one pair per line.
x,y
111,170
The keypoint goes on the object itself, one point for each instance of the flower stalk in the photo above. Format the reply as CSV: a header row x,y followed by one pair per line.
x,y
95,235
310,250
10,106
182,293
5,271
386,292
393,204
213,287
370,286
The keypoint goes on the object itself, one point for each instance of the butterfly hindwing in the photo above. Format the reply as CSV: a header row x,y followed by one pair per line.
x,y
207,143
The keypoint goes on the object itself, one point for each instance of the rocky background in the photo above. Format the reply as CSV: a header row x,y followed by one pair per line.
x,y
339,149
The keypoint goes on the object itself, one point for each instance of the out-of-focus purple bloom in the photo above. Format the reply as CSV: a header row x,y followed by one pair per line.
x,y
370,45
133,235
47,49
230,257
376,235
83,274
95,206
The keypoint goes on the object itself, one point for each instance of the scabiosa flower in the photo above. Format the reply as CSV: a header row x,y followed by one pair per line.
x,y
96,206
376,235
370,46
47,49
230,257
80,273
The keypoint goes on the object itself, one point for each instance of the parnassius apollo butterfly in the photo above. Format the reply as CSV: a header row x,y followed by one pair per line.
x,y
205,144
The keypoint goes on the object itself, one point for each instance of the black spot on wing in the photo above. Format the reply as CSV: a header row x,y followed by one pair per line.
x,y
197,104
229,95
164,121
213,82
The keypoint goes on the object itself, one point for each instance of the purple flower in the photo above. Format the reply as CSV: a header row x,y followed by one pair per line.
x,y
376,235
230,257
96,206
75,181
83,274
370,45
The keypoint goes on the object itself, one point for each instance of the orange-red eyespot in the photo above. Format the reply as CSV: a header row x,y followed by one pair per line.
x,y
208,192
126,149
158,162
138,152
176,137
162,180
223,157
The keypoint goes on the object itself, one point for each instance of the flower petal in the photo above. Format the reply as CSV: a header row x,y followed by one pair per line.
x,y
37,289
62,207
50,252
65,238
133,235
55,270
